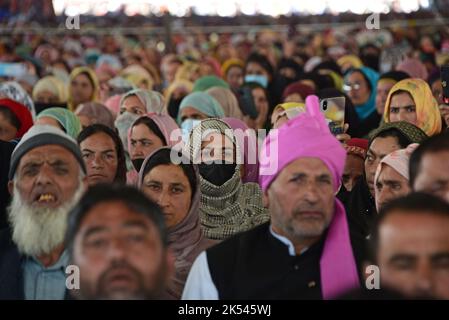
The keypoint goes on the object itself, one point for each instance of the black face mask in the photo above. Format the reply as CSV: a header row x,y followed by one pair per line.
x,y
173,107
137,163
217,174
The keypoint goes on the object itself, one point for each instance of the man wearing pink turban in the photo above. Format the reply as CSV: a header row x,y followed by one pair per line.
x,y
305,251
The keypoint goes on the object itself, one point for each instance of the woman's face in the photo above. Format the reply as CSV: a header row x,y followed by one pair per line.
x,y
100,156
169,187
403,108
132,104
234,76
143,142
81,89
359,91
7,129
254,68
261,103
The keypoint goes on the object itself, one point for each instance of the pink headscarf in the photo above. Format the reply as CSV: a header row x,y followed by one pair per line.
x,y
248,148
337,264
113,104
414,68
398,160
166,124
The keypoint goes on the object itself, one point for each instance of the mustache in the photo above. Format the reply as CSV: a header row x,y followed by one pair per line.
x,y
118,266
299,210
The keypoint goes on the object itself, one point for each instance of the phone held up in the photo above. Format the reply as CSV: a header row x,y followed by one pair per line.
x,y
445,83
334,112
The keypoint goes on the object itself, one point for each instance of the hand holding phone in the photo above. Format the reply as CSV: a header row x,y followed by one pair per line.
x,y
334,112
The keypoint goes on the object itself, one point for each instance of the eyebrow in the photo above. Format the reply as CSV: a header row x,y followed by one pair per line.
x,y
439,256
388,182
104,151
403,256
407,106
93,230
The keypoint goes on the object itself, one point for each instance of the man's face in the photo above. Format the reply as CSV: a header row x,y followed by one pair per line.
x,y
390,185
413,254
47,176
433,175
378,149
301,199
120,254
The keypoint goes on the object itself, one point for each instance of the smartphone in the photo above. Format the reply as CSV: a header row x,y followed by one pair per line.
x,y
445,83
334,112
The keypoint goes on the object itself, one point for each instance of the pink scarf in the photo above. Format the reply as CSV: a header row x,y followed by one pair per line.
x,y
337,264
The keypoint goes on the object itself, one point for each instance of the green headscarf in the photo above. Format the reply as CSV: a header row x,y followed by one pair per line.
x,y
207,82
68,120
412,132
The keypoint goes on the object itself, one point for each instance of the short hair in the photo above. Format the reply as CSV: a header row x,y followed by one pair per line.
x,y
162,157
120,176
131,197
10,117
437,143
413,203
152,126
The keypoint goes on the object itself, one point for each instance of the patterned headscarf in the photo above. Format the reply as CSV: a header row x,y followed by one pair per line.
x,y
14,91
234,206
427,112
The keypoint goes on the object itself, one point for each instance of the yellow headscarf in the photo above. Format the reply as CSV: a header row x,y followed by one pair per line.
x,y
176,84
186,71
427,112
138,75
93,78
53,85
353,60
231,63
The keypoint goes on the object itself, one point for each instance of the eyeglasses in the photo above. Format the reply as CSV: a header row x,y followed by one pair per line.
x,y
348,86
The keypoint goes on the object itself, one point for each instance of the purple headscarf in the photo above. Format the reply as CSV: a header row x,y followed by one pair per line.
x,y
248,150
337,264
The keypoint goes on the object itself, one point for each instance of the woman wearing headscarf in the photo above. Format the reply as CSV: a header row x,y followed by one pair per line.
x,y
140,102
384,85
297,92
60,118
15,120
48,90
360,85
248,146
286,111
227,100
348,62
83,87
138,76
174,95
147,134
207,82
176,189
232,71
93,112
14,91
411,100
228,206
189,71
195,107
414,68
103,155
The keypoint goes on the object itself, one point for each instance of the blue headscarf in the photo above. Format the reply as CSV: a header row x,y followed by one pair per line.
x,y
365,110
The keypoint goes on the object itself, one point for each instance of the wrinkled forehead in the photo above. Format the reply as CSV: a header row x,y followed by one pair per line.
x,y
47,153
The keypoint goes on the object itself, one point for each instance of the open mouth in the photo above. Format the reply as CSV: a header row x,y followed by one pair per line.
x,y
46,198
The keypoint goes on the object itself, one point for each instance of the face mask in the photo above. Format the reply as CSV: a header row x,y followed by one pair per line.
x,y
260,79
187,126
217,174
137,163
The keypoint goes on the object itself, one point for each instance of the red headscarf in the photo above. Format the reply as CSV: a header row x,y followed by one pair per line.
x,y
300,88
21,112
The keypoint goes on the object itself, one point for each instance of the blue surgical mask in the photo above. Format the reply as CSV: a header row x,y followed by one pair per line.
x,y
258,78
187,126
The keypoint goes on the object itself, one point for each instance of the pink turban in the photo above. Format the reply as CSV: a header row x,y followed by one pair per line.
x,y
309,136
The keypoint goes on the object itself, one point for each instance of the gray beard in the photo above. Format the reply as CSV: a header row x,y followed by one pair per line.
x,y
38,231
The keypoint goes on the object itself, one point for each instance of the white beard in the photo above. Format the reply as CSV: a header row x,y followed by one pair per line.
x,y
38,231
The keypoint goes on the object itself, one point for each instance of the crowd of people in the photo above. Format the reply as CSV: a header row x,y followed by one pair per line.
x,y
211,172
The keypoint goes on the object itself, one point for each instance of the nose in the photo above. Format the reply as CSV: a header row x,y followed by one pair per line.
x,y
44,175
311,194
163,200
424,283
117,250
97,162
137,152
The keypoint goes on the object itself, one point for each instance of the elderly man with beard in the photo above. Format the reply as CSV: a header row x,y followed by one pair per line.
x,y
117,238
47,178
305,251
